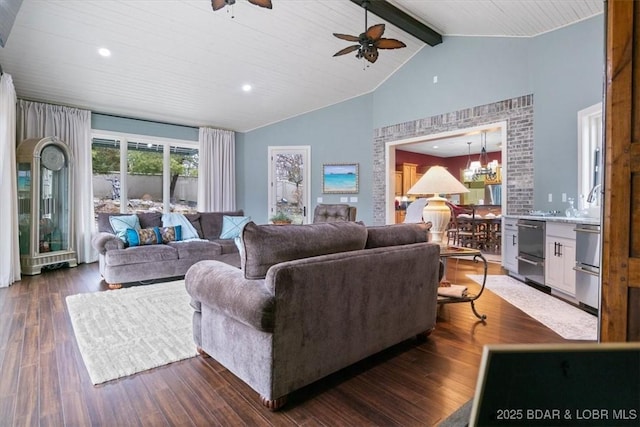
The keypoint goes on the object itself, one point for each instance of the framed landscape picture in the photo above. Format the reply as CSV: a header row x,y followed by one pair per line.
x,y
340,178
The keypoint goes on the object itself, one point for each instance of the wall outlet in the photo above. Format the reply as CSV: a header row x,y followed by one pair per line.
x,y
550,197
435,79
564,197
319,200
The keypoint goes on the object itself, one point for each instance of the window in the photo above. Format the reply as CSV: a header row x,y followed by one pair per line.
x,y
134,173
590,159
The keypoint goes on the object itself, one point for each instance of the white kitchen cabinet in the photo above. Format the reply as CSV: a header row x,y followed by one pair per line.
x,y
510,244
560,257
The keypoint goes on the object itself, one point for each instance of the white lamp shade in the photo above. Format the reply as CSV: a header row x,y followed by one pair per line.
x,y
437,180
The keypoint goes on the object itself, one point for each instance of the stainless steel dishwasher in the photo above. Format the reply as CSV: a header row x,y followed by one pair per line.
x,y
588,266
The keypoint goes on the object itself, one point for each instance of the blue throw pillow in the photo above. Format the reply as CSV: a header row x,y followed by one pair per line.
x,y
232,226
120,223
145,236
170,234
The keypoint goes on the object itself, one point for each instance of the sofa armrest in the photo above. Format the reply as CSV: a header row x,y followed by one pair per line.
x,y
223,288
103,242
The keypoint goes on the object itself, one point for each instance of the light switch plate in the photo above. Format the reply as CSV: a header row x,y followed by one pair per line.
x,y
319,200
344,199
353,199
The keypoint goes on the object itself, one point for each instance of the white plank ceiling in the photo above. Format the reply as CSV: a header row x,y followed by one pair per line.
x,y
180,62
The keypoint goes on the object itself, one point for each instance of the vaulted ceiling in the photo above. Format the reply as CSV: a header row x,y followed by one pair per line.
x,y
180,62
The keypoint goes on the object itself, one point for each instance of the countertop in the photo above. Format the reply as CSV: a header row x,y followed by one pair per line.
x,y
570,220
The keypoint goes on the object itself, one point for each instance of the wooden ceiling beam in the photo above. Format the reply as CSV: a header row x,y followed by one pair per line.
x,y
402,20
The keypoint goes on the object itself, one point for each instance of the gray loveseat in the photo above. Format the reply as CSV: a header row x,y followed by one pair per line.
x,y
120,263
313,299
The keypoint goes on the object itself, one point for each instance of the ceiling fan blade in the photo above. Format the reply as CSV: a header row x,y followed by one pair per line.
x,y
389,44
346,37
262,3
347,50
375,32
371,55
218,4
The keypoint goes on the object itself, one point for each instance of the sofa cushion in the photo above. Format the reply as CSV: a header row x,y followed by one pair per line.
x,y
150,219
196,249
144,236
121,223
228,245
267,245
141,255
396,234
211,223
232,226
103,221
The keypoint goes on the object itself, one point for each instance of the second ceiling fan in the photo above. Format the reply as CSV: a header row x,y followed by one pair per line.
x,y
219,4
368,42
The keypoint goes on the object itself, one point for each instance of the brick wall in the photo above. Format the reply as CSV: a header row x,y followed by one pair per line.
x,y
518,114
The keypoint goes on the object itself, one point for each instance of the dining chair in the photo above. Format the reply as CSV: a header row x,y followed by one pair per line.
x,y
455,228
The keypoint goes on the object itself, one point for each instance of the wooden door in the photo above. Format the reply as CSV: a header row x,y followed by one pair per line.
x,y
620,312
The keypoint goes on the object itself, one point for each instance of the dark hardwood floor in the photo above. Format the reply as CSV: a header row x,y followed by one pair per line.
x,y
43,380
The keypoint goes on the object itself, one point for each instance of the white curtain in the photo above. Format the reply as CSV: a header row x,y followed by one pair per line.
x,y
216,170
73,126
9,234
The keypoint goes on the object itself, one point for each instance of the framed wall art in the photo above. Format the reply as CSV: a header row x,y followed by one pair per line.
x,y
340,178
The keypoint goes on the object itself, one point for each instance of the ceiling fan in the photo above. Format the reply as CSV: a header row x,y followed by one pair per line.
x,y
219,4
368,42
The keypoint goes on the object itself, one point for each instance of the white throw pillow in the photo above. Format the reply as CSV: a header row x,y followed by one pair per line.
x,y
120,223
232,226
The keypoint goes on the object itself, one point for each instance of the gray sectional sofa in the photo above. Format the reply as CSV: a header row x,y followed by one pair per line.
x,y
120,263
312,299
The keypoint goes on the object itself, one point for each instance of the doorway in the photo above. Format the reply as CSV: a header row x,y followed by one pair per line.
x,y
449,145
289,182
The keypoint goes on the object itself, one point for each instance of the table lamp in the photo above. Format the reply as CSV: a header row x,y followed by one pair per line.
x,y
437,181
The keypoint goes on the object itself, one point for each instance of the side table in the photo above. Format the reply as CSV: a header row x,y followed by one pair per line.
x,y
447,252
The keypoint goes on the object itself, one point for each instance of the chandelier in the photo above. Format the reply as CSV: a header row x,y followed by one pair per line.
x,y
481,167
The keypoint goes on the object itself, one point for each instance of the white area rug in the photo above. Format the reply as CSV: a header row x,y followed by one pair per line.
x,y
124,331
566,320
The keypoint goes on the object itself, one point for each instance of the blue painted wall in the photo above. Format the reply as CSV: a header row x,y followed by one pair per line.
x,y
567,70
338,134
471,71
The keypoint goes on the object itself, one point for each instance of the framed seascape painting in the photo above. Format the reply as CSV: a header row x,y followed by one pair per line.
x,y
340,178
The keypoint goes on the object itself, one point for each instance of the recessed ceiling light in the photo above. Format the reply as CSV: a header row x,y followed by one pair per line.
x,y
246,88
435,146
103,51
